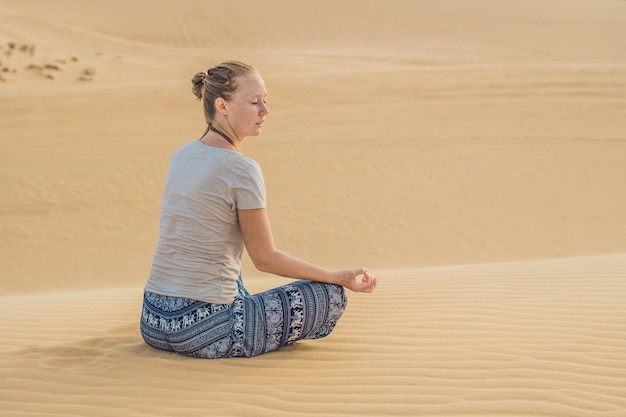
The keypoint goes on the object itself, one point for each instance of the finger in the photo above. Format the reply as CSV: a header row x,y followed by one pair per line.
x,y
367,286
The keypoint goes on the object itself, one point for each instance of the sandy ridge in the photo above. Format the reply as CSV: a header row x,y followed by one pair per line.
x,y
535,161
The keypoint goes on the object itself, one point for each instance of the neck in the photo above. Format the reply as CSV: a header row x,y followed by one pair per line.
x,y
227,138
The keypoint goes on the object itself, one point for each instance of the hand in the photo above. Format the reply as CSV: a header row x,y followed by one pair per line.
x,y
350,279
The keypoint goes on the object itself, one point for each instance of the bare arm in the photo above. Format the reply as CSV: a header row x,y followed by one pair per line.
x,y
257,236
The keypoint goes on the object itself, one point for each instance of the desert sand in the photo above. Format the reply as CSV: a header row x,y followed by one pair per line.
x,y
472,154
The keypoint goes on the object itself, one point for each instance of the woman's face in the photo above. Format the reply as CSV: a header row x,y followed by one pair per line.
x,y
247,107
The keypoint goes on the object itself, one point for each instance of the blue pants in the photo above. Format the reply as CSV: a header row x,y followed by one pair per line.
x,y
251,325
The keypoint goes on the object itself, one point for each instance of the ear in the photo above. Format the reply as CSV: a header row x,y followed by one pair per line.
x,y
221,106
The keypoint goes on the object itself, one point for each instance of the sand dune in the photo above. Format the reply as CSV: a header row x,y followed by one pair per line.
x,y
472,153
524,338
474,171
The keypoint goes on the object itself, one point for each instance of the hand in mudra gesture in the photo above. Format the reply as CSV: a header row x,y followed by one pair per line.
x,y
358,280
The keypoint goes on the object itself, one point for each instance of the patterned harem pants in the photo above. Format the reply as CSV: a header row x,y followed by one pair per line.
x,y
250,326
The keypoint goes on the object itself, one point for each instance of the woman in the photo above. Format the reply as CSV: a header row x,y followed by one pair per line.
x,y
214,204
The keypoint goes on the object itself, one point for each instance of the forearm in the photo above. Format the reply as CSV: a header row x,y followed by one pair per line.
x,y
281,263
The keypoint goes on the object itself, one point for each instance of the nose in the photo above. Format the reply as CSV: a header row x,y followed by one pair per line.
x,y
264,109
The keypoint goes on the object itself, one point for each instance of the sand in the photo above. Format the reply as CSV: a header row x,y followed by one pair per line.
x,y
472,154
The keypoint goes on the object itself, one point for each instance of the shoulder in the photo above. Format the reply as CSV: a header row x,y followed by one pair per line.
x,y
229,163
242,163
249,171
186,150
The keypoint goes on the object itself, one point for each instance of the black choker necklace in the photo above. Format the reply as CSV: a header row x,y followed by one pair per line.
x,y
226,138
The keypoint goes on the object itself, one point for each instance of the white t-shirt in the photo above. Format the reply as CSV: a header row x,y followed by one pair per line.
x,y
198,254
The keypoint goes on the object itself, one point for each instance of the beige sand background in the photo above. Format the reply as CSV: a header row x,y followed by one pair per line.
x,y
471,153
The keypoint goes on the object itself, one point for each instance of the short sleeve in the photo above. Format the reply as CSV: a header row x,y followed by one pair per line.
x,y
249,188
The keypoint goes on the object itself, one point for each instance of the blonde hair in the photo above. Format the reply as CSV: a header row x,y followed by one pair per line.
x,y
217,82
